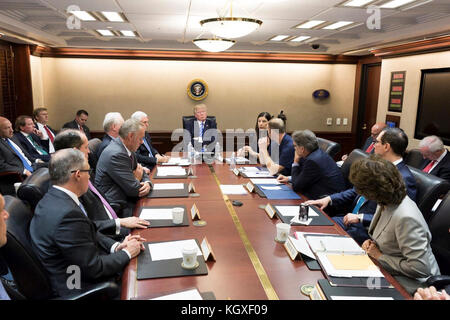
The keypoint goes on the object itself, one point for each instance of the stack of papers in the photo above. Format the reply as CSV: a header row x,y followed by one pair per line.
x,y
177,161
171,171
348,265
302,246
265,181
156,214
239,160
233,189
334,245
192,294
168,186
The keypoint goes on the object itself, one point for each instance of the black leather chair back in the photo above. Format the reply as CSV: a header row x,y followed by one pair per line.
x,y
93,145
439,225
34,187
429,189
186,119
29,274
413,158
329,147
352,157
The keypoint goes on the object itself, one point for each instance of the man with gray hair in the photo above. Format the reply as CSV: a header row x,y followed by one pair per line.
x,y
146,154
437,158
314,172
111,124
281,143
118,175
63,236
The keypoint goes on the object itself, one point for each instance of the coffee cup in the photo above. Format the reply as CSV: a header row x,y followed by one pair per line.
x,y
189,258
177,215
282,232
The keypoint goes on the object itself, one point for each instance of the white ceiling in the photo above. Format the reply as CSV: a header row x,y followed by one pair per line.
x,y
173,24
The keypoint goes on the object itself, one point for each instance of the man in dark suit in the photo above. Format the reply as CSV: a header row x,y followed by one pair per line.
x,y
80,123
314,172
390,145
146,154
436,157
198,128
4,215
29,141
119,176
97,208
40,116
12,156
111,124
62,235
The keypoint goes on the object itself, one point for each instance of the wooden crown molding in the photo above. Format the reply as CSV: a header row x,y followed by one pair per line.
x,y
41,51
417,47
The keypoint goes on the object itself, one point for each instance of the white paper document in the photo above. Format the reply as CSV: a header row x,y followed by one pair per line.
x,y
168,186
239,160
177,161
359,298
334,244
171,250
156,214
295,219
184,295
270,188
171,171
301,246
233,189
265,181
249,169
330,270
263,174
292,211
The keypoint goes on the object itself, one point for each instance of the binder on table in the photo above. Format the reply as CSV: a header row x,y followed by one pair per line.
x,y
150,269
170,193
159,223
283,192
320,220
329,292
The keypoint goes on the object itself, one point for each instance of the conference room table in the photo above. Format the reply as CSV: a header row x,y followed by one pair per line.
x,y
249,264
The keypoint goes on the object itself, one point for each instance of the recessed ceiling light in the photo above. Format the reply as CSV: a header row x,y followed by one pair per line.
x,y
127,33
301,38
113,16
338,25
395,4
83,15
105,33
357,3
310,24
279,38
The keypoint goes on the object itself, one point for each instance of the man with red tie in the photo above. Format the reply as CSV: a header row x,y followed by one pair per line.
x,y
40,116
437,157
369,145
80,123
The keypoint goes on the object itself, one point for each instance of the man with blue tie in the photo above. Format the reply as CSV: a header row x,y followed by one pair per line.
x,y
197,129
12,157
390,145
26,134
146,154
4,215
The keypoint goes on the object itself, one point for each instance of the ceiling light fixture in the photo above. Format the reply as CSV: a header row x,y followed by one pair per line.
x,y
337,25
310,24
357,3
105,33
278,38
83,15
214,44
128,33
299,39
395,4
112,16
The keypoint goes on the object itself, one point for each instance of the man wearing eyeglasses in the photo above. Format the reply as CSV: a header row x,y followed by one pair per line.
x,y
62,235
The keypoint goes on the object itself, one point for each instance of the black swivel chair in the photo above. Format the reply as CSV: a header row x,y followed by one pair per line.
x,y
7,180
413,158
429,189
329,147
352,157
34,187
28,273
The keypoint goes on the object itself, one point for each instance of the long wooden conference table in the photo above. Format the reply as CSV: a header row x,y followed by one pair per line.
x,y
249,264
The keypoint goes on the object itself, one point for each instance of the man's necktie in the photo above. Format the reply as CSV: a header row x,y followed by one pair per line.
x,y
81,128
26,164
427,169
36,146
49,133
202,128
358,205
370,148
150,154
83,209
3,294
105,203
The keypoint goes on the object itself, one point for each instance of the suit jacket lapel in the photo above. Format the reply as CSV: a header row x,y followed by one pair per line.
x,y
11,149
380,221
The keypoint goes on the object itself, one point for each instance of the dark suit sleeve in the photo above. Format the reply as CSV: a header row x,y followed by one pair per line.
x,y
304,175
4,166
77,242
107,227
121,174
344,198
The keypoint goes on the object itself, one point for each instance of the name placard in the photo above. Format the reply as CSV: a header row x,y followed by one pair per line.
x,y
195,214
191,188
290,249
190,172
236,172
269,210
207,251
250,187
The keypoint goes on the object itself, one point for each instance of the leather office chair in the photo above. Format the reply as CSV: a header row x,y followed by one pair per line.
x,y
34,187
29,274
352,157
7,180
413,158
429,189
329,147
93,145
185,119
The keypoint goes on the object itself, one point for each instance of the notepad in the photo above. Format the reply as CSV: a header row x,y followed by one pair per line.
x,y
168,186
156,214
292,211
192,294
233,189
351,262
264,181
171,171
171,250
177,161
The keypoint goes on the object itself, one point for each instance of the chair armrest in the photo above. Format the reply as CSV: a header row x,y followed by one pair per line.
x,y
12,175
100,291
439,282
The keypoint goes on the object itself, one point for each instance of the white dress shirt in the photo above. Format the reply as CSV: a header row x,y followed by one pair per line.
x,y
45,136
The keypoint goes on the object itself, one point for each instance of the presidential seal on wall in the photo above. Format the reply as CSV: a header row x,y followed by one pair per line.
x,y
197,89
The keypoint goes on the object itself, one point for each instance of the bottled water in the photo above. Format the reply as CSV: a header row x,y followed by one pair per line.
x,y
218,151
191,153
233,161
